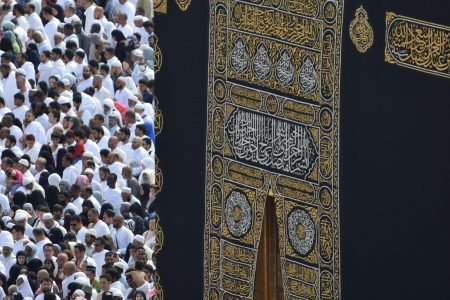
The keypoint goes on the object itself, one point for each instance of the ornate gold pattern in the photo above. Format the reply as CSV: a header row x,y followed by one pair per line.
x,y
158,57
361,32
274,74
183,4
160,6
418,45
159,119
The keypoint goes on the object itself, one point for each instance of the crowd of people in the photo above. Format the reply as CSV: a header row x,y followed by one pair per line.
x,y
77,144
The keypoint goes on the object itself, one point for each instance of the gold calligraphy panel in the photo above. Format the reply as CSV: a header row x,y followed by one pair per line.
x,y
273,117
418,45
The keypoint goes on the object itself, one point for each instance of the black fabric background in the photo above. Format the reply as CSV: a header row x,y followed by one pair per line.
x,y
394,174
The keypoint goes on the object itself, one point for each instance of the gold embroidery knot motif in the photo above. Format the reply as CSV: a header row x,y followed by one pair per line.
x,y
361,33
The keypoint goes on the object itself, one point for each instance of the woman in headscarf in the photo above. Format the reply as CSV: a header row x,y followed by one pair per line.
x,y
86,206
149,56
50,266
121,49
30,252
28,207
56,237
58,12
43,180
19,199
144,194
54,179
46,152
59,155
51,195
36,199
82,180
147,176
96,45
24,286
64,186
14,272
10,43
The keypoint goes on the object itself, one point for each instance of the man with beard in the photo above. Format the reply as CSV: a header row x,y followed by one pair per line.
x,y
8,259
10,143
100,91
121,236
46,289
87,79
122,92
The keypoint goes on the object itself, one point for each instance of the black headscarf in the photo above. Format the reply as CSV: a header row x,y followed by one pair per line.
x,y
43,179
36,198
33,55
59,167
145,197
51,195
20,199
46,152
14,272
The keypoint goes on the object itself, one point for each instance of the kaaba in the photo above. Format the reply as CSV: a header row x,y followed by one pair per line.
x,y
304,149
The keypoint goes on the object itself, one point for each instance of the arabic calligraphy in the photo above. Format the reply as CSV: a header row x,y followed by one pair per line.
x,y
285,69
361,33
419,45
239,57
308,76
262,65
276,24
271,142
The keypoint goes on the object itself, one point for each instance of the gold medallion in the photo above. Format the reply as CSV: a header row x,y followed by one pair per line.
x,y
361,33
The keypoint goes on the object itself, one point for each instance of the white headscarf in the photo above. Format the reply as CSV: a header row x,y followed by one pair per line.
x,y
54,179
25,288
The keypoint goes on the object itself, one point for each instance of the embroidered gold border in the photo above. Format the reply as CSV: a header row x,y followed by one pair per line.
x,y
418,45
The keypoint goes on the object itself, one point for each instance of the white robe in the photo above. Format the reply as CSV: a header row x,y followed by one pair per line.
x,y
101,228
28,67
59,68
8,262
45,71
122,237
114,198
70,174
123,95
10,88
35,128
34,21
33,152
99,258
51,28
19,112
